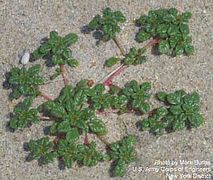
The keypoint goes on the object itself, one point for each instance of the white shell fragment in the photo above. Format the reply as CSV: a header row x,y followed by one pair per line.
x,y
25,58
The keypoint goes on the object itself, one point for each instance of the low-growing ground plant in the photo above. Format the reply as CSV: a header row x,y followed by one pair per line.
x,y
74,113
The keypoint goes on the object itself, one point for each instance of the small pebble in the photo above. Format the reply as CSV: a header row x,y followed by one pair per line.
x,y
25,58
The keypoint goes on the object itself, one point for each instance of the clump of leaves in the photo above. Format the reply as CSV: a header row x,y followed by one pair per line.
x,y
122,153
137,95
84,155
107,25
182,112
24,116
41,150
88,155
74,117
172,29
25,81
134,57
57,48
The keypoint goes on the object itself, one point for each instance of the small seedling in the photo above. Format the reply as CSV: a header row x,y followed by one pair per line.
x,y
75,114
25,81
107,25
57,49
122,153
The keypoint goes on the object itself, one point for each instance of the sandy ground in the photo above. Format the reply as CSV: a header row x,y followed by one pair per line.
x,y
24,23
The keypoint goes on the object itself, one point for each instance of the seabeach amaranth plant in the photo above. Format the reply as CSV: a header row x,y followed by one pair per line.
x,y
75,115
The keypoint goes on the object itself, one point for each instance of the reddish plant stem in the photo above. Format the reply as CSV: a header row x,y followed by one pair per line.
x,y
111,76
58,137
45,96
116,72
62,68
101,112
152,42
86,140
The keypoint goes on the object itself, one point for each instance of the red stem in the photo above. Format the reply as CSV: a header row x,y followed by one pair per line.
x,y
152,42
111,76
86,140
108,81
62,68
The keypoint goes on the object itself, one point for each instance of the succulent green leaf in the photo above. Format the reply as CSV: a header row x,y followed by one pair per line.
x,y
164,47
97,126
111,61
72,135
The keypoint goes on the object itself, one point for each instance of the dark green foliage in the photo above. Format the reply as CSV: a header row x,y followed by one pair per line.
x,y
171,27
182,112
74,117
84,155
114,89
122,153
88,155
25,81
135,57
57,48
137,95
75,112
42,150
24,116
111,61
68,151
107,25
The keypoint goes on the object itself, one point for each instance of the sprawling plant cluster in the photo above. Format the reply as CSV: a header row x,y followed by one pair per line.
x,y
76,113
181,111
169,26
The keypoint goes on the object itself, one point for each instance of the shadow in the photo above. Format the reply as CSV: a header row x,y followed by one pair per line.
x,y
48,61
61,164
138,125
26,146
97,34
48,58
6,84
155,50
112,167
46,130
8,128
85,29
